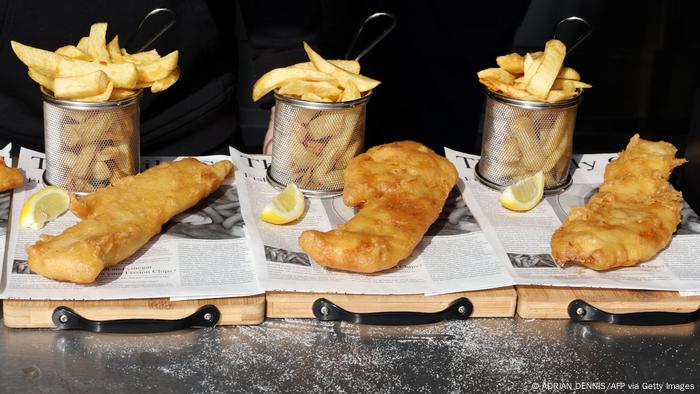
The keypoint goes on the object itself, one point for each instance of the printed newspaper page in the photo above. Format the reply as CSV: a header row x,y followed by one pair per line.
x,y
453,256
5,198
522,240
200,253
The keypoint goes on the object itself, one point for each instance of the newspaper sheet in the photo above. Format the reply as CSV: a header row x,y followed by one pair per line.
x,y
521,240
5,199
453,256
200,253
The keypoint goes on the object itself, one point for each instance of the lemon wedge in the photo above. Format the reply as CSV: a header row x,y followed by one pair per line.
x,y
43,206
525,194
286,207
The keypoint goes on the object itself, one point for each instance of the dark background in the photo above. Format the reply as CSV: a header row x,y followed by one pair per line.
x,y
642,60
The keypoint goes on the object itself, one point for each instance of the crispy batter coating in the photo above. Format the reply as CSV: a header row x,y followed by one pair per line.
x,y
401,188
633,215
120,219
10,178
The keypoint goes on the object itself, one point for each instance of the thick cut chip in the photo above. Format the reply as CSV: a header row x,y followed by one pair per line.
x,y
319,88
73,53
120,94
159,69
42,79
123,75
350,93
546,73
513,63
114,51
352,66
569,73
142,57
104,96
36,58
275,78
84,44
81,86
362,83
98,42
497,74
162,84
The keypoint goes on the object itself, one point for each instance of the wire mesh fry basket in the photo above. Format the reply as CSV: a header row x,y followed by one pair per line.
x,y
521,138
90,144
313,143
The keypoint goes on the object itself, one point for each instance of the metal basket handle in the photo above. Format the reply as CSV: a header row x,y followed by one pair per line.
x,y
162,31
587,32
376,41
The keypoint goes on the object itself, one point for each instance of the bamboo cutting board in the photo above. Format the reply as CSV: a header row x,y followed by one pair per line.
x,y
37,313
499,302
546,302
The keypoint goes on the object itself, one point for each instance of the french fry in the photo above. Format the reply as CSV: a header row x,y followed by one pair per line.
x,y
321,126
101,171
275,78
73,53
523,130
352,66
159,69
165,83
84,44
299,87
513,63
569,73
84,160
120,94
36,58
142,57
362,83
496,74
114,51
104,96
81,86
41,79
350,93
545,74
554,96
97,43
123,75
309,96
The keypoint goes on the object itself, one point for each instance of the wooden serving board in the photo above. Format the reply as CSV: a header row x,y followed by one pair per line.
x,y
546,302
37,313
499,302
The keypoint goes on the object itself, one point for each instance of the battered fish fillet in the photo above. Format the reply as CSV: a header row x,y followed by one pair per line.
x,y
120,219
633,215
10,178
401,188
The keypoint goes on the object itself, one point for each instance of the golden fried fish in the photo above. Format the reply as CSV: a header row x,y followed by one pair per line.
x,y
120,219
10,178
401,187
633,215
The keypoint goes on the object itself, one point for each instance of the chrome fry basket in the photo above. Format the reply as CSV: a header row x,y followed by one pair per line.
x,y
90,144
520,138
313,143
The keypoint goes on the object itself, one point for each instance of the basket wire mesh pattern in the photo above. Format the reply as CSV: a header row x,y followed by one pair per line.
x,y
90,145
314,142
521,138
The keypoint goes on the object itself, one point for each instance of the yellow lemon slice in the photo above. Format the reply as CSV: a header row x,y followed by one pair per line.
x,y
525,194
286,207
43,206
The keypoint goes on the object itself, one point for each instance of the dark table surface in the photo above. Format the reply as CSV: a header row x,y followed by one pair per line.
x,y
294,355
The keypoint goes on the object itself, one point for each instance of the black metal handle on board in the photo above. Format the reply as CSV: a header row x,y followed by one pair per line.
x,y
460,309
66,319
581,311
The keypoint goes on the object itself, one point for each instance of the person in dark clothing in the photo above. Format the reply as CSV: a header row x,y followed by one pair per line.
x,y
427,65
197,115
